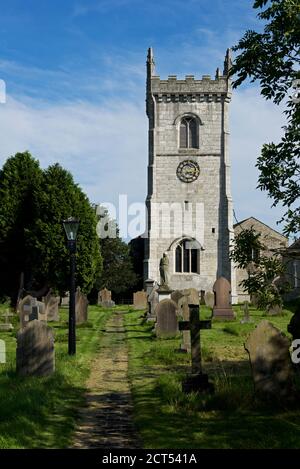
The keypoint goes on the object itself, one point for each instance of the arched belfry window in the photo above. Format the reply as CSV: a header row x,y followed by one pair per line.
x,y
187,257
188,133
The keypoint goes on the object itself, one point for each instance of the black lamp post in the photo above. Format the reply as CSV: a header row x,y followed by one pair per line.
x,y
71,226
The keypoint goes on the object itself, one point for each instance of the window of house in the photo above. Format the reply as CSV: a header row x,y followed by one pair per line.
x,y
188,133
186,258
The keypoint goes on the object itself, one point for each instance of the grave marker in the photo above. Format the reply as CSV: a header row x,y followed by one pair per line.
x,y
198,381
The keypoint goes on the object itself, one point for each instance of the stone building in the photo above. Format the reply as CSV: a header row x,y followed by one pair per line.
x,y
189,204
270,238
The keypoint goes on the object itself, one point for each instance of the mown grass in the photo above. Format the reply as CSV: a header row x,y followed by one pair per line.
x,y
41,412
230,418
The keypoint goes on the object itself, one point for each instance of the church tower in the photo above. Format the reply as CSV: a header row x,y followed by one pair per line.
x,y
189,204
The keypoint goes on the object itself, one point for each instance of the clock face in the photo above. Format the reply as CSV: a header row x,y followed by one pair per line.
x,y
188,171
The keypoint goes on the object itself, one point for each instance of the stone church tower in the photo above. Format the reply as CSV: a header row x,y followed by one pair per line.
x,y
189,205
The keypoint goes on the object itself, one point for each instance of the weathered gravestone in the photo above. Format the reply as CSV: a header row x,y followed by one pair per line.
x,y
104,298
2,351
202,297
275,310
81,306
51,307
35,350
140,300
269,356
222,308
65,300
176,295
209,299
6,326
30,309
166,319
153,301
245,308
197,381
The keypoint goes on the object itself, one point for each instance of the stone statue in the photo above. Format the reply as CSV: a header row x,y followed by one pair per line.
x,y
164,270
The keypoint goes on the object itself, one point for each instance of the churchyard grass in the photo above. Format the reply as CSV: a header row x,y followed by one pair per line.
x,y
41,412
232,417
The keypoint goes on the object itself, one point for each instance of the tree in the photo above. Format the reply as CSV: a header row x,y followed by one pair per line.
x,y
20,179
272,58
60,197
117,274
265,272
33,204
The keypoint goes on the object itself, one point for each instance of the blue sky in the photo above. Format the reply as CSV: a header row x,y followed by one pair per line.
x,y
75,77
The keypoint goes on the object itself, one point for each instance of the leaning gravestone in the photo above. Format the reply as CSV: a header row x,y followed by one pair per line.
x,y
166,319
269,355
35,350
81,307
209,299
2,351
51,307
104,298
140,300
222,308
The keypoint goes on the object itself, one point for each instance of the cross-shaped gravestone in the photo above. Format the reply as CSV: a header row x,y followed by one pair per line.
x,y
198,381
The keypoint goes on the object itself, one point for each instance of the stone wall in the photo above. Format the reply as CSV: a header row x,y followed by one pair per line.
x,y
269,238
208,197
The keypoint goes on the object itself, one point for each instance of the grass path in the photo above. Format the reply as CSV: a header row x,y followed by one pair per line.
x,y
106,420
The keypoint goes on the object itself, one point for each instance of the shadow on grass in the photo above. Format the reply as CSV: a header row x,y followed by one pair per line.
x,y
37,412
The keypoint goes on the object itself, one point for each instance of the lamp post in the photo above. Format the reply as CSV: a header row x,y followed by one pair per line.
x,y
71,226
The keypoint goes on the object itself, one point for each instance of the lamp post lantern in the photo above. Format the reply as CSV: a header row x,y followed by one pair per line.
x,y
71,226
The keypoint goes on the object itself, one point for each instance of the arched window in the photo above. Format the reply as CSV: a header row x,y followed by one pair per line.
x,y
187,257
188,133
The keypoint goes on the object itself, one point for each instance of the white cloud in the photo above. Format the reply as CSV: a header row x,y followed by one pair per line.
x,y
254,122
105,145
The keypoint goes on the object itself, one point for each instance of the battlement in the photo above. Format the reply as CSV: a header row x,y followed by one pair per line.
x,y
190,88
190,85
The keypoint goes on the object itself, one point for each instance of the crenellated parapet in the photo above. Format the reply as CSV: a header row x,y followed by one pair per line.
x,y
190,89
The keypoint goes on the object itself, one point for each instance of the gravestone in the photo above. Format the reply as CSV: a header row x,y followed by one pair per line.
x,y
245,308
2,351
166,319
81,306
192,296
197,381
176,295
28,310
6,326
51,307
153,301
65,300
222,308
275,310
269,356
202,297
35,350
104,298
209,299
140,300
184,313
